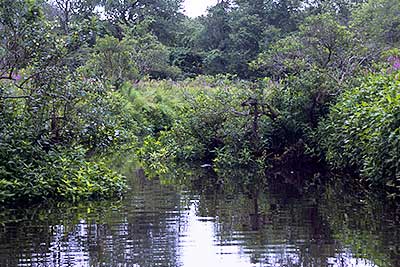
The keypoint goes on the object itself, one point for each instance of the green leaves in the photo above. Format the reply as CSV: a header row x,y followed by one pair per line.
x,y
378,22
362,131
137,55
52,116
62,174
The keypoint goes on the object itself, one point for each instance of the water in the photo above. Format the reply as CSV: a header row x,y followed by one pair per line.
x,y
204,225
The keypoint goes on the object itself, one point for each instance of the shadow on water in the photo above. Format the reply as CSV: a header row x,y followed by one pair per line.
x,y
205,220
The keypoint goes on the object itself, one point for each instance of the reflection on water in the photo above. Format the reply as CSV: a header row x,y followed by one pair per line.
x,y
160,225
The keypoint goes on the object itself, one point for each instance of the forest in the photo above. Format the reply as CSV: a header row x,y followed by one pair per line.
x,y
277,87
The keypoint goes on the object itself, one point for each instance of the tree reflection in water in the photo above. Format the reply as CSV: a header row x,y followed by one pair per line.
x,y
207,220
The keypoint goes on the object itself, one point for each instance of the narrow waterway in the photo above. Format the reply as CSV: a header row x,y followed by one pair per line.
x,y
165,225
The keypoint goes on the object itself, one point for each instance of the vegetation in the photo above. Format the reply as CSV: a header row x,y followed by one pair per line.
x,y
252,84
362,131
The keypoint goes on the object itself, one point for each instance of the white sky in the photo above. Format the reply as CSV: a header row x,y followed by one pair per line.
x,y
195,8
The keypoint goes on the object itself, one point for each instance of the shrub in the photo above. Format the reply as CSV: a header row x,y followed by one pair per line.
x,y
29,174
363,129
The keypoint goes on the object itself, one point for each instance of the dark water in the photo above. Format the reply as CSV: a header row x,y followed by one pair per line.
x,y
159,225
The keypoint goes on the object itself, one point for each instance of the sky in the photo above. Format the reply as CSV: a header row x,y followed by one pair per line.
x,y
195,8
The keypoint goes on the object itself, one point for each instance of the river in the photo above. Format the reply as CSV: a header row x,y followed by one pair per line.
x,y
204,225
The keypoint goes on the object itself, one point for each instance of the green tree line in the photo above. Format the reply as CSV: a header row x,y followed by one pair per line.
x,y
251,83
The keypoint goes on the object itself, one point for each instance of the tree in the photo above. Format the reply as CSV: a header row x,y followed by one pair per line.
x,y
379,22
165,16
246,35
112,61
214,39
321,43
187,54
68,11
137,54
340,9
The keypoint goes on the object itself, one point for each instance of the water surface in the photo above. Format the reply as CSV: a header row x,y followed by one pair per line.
x,y
165,225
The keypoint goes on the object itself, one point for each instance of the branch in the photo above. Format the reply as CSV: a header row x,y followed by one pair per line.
x,y
15,97
240,113
328,59
26,80
7,78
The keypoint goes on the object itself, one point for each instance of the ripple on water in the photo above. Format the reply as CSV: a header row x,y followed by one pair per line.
x,y
161,226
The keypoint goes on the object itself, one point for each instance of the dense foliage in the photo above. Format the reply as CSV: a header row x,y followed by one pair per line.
x,y
251,84
362,131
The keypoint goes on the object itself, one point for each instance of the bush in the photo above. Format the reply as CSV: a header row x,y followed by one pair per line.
x,y
29,174
213,124
45,142
105,121
363,129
